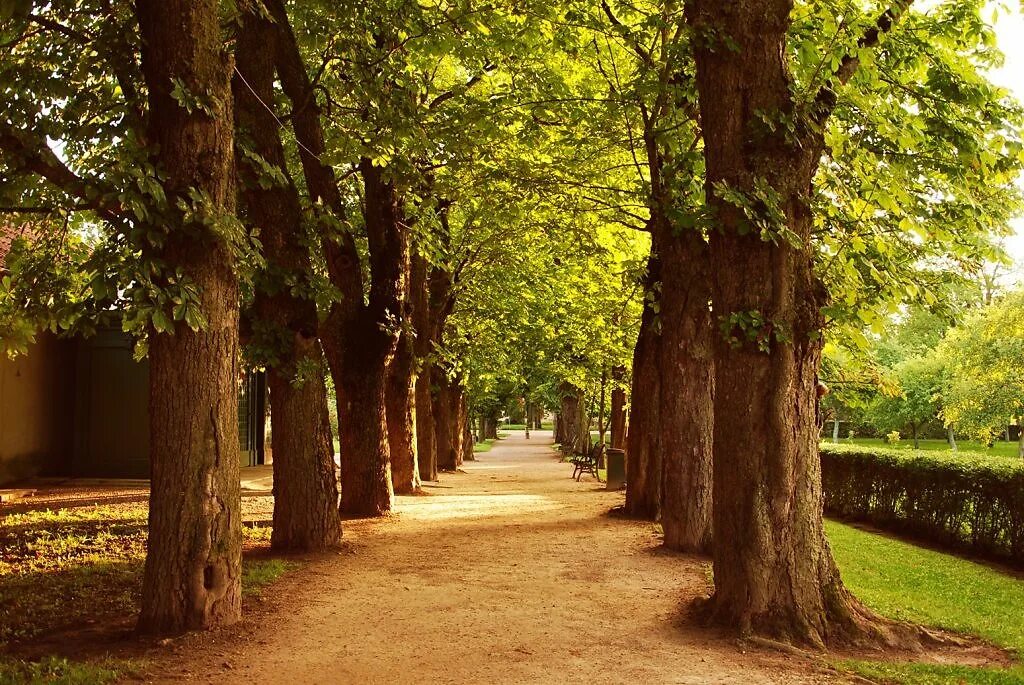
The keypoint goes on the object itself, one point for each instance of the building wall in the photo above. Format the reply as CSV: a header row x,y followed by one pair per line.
x,y
37,410
80,408
111,410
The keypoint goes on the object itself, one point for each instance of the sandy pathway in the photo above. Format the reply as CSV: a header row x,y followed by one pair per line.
x,y
510,572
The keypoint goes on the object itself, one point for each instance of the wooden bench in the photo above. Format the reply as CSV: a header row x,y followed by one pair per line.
x,y
587,463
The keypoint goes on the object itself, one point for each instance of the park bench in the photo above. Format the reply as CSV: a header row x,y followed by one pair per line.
x,y
587,463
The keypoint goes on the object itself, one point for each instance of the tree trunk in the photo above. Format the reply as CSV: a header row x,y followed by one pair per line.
x,y
193,562
426,437
460,423
951,439
467,434
617,418
686,412
305,486
571,420
360,378
527,418
425,326
445,408
358,335
643,455
913,431
559,429
835,428
583,417
600,407
362,343
774,572
1020,437
401,417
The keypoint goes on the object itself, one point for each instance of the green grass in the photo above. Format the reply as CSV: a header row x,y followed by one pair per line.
x,y
483,446
1000,448
906,582
259,573
933,674
72,567
55,671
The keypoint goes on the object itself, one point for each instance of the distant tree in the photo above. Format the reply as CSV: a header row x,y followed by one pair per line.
x,y
984,391
916,403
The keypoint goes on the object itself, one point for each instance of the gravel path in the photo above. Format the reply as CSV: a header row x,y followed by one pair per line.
x,y
508,572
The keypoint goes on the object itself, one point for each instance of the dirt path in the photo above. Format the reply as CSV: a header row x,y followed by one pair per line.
x,y
510,572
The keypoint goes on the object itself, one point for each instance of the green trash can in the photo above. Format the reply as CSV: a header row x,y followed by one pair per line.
x,y
616,465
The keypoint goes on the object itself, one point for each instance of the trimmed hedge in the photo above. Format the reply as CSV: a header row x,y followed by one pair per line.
x,y
960,501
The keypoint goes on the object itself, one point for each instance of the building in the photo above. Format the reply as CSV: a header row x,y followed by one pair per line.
x,y
79,407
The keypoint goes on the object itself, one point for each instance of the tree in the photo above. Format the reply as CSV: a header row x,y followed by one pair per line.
x,y
983,392
916,401
282,320
192,577
776,575
789,228
147,164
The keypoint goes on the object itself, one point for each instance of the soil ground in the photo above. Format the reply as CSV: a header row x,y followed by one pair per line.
x,y
506,572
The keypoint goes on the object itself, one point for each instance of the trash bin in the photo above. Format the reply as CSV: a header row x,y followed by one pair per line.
x,y
616,474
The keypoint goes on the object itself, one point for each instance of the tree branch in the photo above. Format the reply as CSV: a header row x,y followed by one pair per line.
x,y
443,97
826,99
42,161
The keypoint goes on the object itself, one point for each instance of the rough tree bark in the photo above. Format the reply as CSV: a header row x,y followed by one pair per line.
x,y
445,422
305,487
686,411
643,455
426,438
571,411
461,419
401,417
423,324
617,418
773,569
360,347
193,562
467,433
359,337
491,426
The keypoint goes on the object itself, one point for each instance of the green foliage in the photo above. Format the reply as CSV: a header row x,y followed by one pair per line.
x,y
955,500
985,356
920,382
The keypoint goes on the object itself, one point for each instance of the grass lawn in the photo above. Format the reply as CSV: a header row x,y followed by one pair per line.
x,y
1000,449
483,446
54,671
65,569
903,581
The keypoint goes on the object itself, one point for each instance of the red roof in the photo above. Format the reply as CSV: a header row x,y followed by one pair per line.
x,y
6,238
8,233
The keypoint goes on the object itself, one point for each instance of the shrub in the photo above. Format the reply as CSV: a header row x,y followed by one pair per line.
x,y
970,502
892,437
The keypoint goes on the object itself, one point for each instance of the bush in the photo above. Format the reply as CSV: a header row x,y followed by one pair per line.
x,y
969,502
